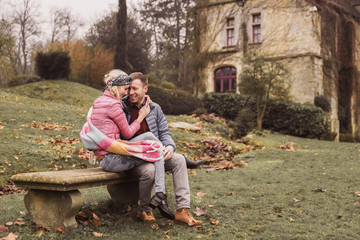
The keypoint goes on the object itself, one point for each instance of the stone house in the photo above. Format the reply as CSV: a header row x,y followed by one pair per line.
x,y
318,41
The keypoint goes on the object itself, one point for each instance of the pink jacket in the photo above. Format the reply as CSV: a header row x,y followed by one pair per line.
x,y
109,117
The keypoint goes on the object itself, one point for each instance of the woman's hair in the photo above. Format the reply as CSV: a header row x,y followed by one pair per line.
x,y
110,76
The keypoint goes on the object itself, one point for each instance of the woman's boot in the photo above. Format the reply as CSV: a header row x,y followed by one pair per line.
x,y
159,201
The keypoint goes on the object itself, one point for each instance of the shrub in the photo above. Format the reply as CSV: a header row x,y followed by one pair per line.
x,y
346,137
168,85
226,105
53,64
174,102
304,120
18,80
322,102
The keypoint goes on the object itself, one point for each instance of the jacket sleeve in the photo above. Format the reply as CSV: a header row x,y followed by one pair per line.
x,y
119,118
163,128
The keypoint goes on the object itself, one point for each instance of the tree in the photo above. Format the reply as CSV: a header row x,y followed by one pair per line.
x,y
263,78
64,24
7,53
103,32
120,59
171,27
26,17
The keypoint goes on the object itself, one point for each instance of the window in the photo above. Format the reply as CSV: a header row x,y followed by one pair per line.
x,y
256,27
230,37
225,80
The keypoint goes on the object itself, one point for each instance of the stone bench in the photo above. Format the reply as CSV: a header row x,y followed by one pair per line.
x,y
53,198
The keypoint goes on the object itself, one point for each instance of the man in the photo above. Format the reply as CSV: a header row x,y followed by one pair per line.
x,y
156,123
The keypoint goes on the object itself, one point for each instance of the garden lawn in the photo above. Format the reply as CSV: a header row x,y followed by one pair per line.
x,y
310,192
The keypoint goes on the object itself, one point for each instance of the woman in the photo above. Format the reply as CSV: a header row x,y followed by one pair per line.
x,y
107,117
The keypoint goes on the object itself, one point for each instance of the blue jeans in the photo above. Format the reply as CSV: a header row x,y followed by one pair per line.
x,y
119,163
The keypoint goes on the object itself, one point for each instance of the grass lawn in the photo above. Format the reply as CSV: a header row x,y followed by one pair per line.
x,y
309,193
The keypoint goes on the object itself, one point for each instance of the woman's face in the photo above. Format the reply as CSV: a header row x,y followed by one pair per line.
x,y
122,91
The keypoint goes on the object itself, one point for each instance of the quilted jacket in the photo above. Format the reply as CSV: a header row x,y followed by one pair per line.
x,y
108,116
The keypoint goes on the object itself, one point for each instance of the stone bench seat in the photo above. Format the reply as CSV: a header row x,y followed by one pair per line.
x,y
53,198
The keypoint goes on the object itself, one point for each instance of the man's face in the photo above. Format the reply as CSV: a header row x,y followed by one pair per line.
x,y
137,91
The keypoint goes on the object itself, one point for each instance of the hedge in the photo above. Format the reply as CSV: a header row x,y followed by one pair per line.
x,y
174,102
53,64
303,120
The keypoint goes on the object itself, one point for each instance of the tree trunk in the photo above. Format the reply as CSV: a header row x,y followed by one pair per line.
x,y
259,124
120,58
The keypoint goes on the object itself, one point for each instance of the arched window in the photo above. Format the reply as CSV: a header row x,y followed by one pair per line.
x,y
225,79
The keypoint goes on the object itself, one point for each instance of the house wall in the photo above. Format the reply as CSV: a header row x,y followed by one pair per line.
x,y
355,108
305,35
290,31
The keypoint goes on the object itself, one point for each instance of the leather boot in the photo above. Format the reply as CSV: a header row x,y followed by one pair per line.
x,y
146,216
184,215
159,201
192,164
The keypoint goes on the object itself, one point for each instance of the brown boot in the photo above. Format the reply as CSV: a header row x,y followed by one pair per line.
x,y
146,216
184,215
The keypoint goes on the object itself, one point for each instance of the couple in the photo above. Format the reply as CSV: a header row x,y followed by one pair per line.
x,y
150,143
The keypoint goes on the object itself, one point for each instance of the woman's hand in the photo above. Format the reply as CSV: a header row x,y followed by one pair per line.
x,y
147,97
144,111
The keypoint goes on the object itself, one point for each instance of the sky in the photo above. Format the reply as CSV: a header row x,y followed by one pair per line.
x,y
88,11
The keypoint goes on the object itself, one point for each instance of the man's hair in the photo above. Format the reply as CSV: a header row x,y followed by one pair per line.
x,y
141,76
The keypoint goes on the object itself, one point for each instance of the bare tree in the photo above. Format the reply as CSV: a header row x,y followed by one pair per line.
x,y
26,16
64,24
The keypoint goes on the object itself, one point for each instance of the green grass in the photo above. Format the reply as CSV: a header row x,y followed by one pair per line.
x,y
304,194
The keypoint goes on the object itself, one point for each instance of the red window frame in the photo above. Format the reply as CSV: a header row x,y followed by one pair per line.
x,y
223,78
230,32
256,28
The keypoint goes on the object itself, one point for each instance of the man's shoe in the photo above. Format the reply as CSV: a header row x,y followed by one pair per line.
x,y
184,215
192,164
159,201
144,216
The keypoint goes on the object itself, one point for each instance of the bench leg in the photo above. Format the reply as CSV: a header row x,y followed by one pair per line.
x,y
53,208
127,192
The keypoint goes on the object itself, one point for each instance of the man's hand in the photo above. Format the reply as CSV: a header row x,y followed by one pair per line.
x,y
168,152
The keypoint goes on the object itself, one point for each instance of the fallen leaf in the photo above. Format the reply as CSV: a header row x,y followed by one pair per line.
x,y
200,193
291,220
41,230
128,218
96,221
298,210
128,208
3,229
296,200
19,223
96,234
9,223
11,236
357,194
62,230
200,211
210,205
215,222
155,226
1,127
